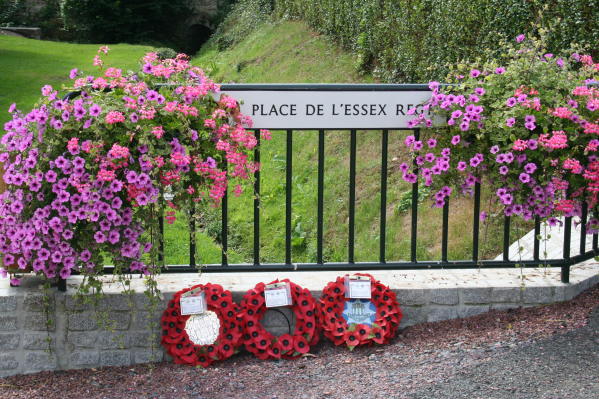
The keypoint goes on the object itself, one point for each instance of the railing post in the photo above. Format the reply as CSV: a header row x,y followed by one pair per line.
x,y
414,232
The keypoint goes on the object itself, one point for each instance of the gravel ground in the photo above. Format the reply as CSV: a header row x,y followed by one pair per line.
x,y
542,352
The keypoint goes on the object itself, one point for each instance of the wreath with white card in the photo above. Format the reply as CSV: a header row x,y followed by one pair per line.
x,y
262,343
358,310
199,325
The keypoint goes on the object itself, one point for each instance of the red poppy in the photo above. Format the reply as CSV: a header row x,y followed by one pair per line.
x,y
275,351
300,344
285,341
351,338
363,332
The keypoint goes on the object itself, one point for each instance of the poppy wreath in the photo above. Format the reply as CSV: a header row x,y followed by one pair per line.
x,y
265,345
178,344
383,329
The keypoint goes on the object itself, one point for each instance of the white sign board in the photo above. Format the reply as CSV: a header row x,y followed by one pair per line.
x,y
321,109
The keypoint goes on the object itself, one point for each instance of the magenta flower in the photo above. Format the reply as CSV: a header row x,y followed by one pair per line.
x,y
510,122
520,38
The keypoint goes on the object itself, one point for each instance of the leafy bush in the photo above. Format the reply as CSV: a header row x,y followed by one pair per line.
x,y
414,40
132,21
241,20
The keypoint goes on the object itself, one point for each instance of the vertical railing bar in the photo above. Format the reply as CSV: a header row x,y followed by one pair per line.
x,y
414,232
476,222
257,200
225,224
537,242
288,171
192,236
506,238
161,241
320,200
352,196
445,231
383,224
583,227
595,242
566,254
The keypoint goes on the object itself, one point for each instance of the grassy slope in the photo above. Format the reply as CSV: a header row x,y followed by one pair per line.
x,y
290,52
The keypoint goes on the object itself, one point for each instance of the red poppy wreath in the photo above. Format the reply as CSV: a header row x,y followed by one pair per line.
x,y
265,345
201,339
355,322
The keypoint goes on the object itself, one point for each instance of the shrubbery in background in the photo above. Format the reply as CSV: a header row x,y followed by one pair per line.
x,y
414,40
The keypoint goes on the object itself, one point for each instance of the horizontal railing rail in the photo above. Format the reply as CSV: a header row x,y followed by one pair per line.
x,y
381,262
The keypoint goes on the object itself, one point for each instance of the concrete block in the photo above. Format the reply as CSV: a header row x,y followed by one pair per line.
x,y
413,315
538,295
77,303
506,294
8,362
35,302
148,356
115,358
476,295
38,321
115,302
84,339
113,340
39,361
505,306
473,310
85,321
142,302
412,297
438,313
84,359
144,320
36,341
8,303
8,323
9,342
143,339
119,320
444,296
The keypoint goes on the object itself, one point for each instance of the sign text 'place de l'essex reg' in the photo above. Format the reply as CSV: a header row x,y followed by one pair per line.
x,y
336,109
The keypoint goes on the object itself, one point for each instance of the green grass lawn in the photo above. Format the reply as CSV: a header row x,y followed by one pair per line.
x,y
26,65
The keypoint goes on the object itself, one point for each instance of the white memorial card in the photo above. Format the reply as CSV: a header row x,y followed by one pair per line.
x,y
193,302
278,294
357,287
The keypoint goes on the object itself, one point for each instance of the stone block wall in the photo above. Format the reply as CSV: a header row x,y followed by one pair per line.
x,y
78,337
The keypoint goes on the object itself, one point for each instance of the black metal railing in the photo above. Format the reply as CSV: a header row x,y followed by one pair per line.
x,y
381,263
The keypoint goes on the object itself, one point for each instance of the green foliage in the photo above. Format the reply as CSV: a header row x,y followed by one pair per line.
x,y
243,18
132,21
414,40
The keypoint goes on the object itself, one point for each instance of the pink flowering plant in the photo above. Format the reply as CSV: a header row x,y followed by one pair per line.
x,y
87,175
527,124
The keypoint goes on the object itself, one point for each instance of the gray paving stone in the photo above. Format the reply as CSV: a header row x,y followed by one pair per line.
x,y
538,295
8,323
143,339
8,362
115,358
76,303
39,361
114,302
36,341
85,321
476,295
412,297
8,303
438,313
119,320
9,341
506,294
84,359
143,320
444,296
